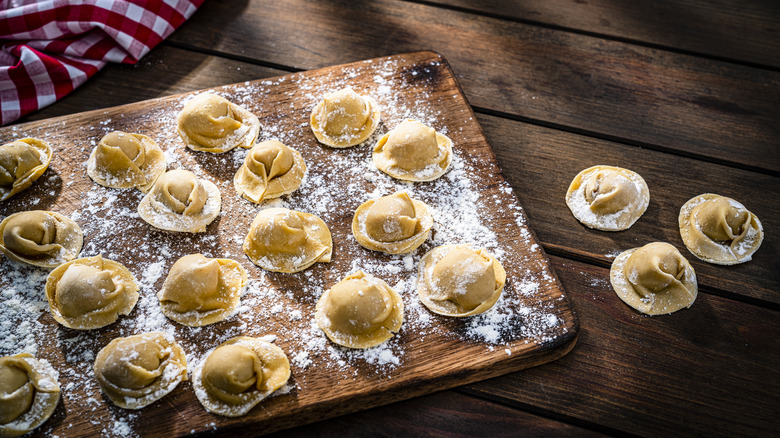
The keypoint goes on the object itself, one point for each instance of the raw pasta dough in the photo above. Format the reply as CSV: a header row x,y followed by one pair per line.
x,y
122,160
360,311
40,238
211,123
654,279
456,280
283,240
719,230
21,163
344,118
90,293
413,152
270,170
179,201
29,393
138,370
239,374
395,224
608,198
200,291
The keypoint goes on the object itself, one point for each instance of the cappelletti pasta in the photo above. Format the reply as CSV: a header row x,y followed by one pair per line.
x,y
200,291
654,279
413,151
90,293
29,393
395,224
719,230
179,201
270,170
211,123
344,118
138,370
360,311
239,374
608,198
457,280
41,238
283,240
22,162
122,160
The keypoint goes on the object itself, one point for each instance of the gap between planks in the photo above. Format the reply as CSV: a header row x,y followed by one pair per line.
x,y
625,141
176,53
218,54
605,86
604,36
542,412
509,116
583,257
720,362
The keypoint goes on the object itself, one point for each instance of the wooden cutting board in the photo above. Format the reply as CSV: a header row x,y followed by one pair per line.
x,y
532,323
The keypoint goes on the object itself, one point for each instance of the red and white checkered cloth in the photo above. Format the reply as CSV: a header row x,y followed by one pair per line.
x,y
51,47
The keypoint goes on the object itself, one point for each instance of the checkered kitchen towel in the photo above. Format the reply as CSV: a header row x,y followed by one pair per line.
x,y
50,47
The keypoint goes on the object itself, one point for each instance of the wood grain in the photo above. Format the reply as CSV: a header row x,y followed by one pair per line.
x,y
440,356
627,376
730,29
708,370
446,413
163,72
532,159
541,162
615,90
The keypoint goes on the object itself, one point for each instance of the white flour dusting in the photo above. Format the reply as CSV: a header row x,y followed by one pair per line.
x,y
336,183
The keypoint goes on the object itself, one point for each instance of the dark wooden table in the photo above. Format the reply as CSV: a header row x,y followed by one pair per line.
x,y
686,93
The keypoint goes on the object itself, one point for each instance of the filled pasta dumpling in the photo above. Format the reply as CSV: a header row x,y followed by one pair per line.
x,y
283,240
40,238
179,201
21,163
122,160
456,280
90,293
608,198
413,152
270,170
211,123
138,370
654,279
200,291
344,118
29,393
719,230
394,224
360,311
239,374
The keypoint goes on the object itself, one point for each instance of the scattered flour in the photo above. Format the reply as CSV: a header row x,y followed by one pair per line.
x,y
281,305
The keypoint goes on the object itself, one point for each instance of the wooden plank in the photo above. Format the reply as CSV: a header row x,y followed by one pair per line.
x,y
163,72
541,162
527,155
693,106
446,413
730,29
710,370
533,323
